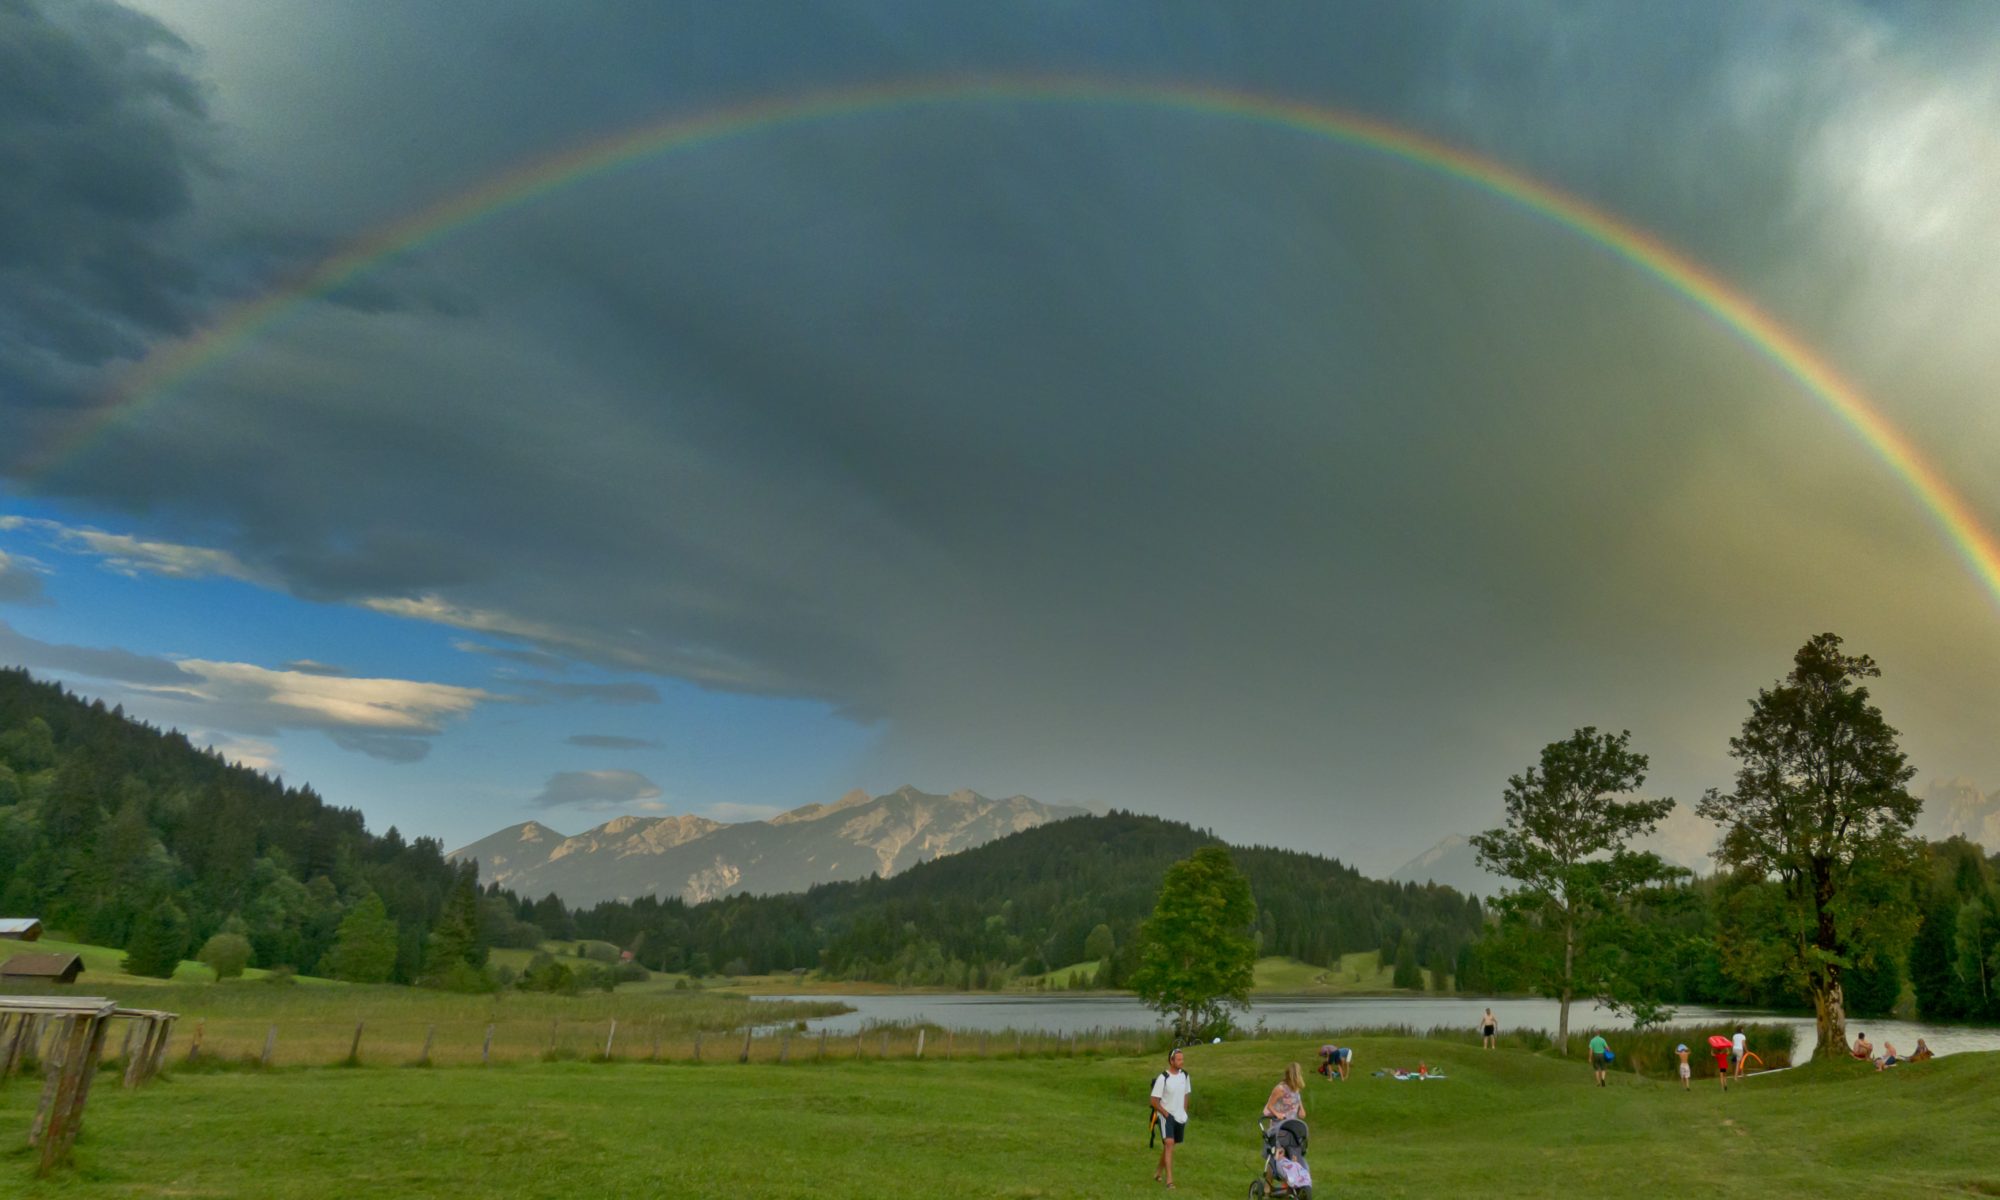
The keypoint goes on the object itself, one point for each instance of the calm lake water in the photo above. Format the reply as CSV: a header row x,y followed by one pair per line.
x,y
1062,1014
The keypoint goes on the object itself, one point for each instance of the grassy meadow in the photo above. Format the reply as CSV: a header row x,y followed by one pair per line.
x,y
1511,1122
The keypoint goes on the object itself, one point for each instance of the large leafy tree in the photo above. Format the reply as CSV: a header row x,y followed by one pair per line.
x,y
1196,959
1566,845
1818,825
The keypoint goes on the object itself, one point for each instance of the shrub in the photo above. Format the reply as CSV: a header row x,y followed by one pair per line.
x,y
226,954
282,975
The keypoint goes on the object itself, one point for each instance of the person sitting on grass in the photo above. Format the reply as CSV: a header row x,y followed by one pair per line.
x,y
1600,1057
1863,1048
1889,1058
1922,1052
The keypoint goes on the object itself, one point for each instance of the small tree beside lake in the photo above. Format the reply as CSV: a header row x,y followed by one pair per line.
x,y
1818,829
1566,844
1196,958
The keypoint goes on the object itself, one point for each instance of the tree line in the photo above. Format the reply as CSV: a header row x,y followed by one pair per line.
x,y
1824,897
125,835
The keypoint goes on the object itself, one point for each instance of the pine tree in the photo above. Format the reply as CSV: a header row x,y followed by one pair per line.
x,y
158,942
364,951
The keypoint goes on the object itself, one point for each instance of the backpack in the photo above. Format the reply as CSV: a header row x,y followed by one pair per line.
x,y
1153,1114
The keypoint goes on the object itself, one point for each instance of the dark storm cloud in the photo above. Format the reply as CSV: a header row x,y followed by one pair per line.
x,y
100,127
1135,457
611,741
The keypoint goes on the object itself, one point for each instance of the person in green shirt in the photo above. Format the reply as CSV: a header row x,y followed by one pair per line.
x,y
1600,1054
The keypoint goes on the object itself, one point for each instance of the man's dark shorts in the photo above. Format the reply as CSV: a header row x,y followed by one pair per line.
x,y
1172,1130
1597,1062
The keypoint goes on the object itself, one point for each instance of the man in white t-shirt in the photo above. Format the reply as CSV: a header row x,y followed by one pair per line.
x,y
1737,1045
1170,1093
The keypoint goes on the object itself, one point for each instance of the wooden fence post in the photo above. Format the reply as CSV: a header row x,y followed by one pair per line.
x,y
270,1044
1017,1043
822,1044
697,1045
86,1074
920,1041
885,1043
52,1081
609,1037
160,1053
785,1046
430,1034
655,1056
553,1025
486,1051
947,1043
982,1043
353,1051
745,1056
194,1047
858,1056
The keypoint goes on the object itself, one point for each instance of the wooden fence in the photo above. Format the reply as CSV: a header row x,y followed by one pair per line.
x,y
65,1037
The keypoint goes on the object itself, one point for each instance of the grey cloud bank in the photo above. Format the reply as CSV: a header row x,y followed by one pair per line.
x,y
1124,457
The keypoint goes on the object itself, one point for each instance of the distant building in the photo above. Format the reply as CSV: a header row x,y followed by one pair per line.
x,y
49,968
20,929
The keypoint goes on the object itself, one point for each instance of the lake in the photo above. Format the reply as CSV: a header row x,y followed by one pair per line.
x,y
992,1012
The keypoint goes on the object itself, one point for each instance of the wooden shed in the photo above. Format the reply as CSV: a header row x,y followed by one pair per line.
x,y
20,929
50,968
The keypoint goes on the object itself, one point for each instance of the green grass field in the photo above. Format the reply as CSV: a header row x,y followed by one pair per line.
x,y
1506,1123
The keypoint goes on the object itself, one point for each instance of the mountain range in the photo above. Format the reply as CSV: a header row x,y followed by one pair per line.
x,y
698,859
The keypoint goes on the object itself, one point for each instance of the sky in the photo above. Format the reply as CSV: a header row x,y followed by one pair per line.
x,y
1055,429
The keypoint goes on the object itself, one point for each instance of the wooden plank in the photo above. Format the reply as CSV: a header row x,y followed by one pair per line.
x,y
486,1051
745,1056
194,1047
160,1051
52,1066
270,1047
609,1038
93,1053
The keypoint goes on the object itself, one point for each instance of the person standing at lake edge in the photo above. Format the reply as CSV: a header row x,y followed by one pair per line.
x,y
1170,1093
1737,1046
1488,1026
1687,1071
1600,1056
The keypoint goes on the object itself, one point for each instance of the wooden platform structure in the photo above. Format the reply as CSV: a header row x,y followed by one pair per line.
x,y
66,1035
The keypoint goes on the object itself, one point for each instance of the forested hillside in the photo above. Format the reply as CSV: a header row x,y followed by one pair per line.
x,y
113,831
1068,892
122,835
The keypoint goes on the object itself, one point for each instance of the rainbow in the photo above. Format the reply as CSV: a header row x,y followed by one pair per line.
x,y
151,379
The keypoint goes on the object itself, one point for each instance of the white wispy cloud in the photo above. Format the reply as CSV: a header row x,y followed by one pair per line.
x,y
392,719
600,791
132,555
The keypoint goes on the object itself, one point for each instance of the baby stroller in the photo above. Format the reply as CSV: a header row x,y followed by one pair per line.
x,y
1285,1172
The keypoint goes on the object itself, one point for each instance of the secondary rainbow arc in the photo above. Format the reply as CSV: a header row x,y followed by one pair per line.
x,y
168,365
